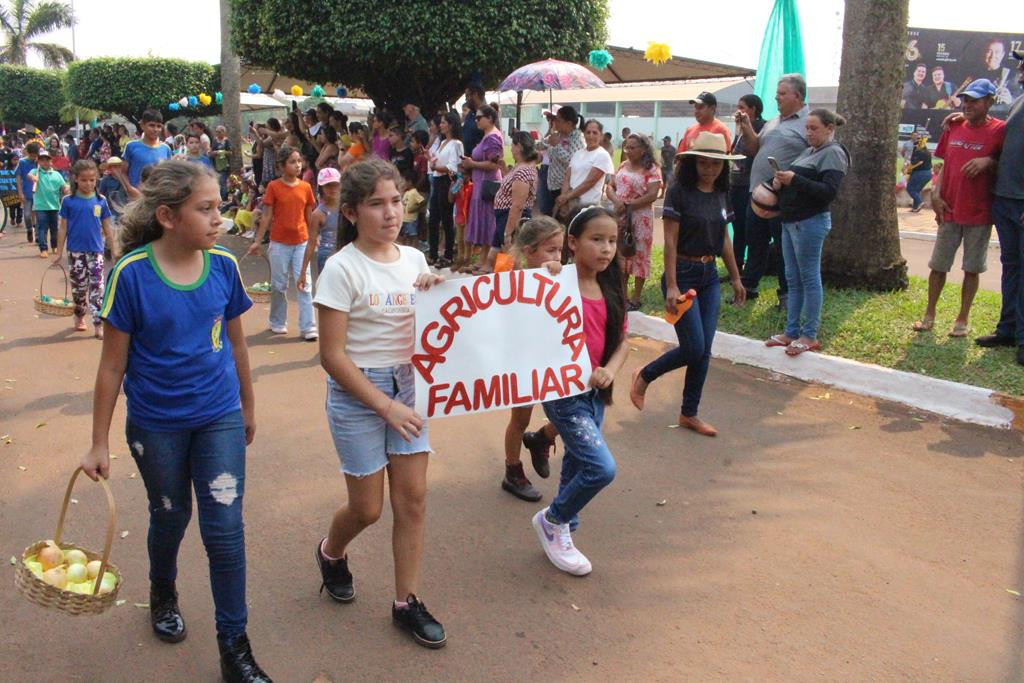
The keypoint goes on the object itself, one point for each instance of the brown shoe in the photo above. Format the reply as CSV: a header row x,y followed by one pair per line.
x,y
698,425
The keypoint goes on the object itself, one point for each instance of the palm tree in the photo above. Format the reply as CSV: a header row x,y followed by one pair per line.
x,y
24,21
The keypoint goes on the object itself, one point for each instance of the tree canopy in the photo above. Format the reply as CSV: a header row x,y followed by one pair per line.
x,y
30,95
423,51
23,22
128,86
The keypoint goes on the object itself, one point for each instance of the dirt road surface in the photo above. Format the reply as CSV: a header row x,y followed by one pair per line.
x,y
821,536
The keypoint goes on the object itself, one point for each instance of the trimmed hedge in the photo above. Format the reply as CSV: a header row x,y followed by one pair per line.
x,y
30,95
424,51
128,86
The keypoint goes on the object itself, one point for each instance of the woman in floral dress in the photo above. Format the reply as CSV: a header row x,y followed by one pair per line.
x,y
636,185
485,164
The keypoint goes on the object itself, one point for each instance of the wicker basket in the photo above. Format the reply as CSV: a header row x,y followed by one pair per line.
x,y
257,295
45,595
52,307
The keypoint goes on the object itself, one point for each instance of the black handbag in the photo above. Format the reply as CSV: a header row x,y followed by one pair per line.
x,y
490,190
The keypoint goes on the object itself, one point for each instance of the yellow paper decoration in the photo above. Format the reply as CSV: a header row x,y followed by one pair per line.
x,y
205,99
297,90
657,53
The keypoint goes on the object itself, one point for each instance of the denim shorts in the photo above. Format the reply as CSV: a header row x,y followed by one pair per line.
x,y
362,438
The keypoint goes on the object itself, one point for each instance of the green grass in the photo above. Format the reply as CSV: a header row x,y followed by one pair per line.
x,y
876,328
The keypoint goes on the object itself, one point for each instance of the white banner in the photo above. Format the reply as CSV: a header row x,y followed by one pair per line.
x,y
498,341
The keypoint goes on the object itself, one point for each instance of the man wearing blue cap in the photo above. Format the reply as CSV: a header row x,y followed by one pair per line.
x,y
1008,214
962,200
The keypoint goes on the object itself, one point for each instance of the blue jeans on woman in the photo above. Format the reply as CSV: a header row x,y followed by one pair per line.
x,y
695,331
587,463
739,195
916,182
545,200
801,244
210,459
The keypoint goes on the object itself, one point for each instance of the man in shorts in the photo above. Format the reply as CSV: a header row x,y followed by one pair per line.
x,y
962,200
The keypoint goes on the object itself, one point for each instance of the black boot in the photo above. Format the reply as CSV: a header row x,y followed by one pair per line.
x,y
516,483
540,451
236,662
164,613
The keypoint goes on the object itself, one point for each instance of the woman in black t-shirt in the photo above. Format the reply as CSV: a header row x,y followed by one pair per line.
x,y
696,218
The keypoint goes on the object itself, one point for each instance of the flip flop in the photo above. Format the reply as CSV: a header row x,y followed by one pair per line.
x,y
778,340
959,330
796,348
924,325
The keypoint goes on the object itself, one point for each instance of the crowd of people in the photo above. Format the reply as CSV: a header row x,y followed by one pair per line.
x,y
381,210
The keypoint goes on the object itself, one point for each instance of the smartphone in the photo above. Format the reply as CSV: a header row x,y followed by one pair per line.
x,y
773,163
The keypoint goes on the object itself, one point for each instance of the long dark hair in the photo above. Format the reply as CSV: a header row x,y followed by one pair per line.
x,y
168,184
357,183
686,173
81,166
454,125
610,282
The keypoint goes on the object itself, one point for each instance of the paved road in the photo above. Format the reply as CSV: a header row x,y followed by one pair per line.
x,y
822,536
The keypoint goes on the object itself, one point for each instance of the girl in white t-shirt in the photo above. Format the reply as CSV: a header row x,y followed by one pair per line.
x,y
366,295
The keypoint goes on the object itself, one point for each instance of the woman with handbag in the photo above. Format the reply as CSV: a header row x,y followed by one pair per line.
x,y
696,216
583,184
485,164
632,191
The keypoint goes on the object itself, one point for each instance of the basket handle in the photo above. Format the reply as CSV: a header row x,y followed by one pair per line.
x,y
111,523
47,270
261,255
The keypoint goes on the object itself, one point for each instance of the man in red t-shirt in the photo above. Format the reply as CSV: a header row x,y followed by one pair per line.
x,y
962,200
705,106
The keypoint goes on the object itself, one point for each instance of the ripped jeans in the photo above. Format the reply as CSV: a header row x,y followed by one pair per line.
x,y
210,459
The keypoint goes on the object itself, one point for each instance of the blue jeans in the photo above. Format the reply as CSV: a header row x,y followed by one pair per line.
x,y
1006,213
695,331
801,244
545,200
322,254
286,265
916,182
760,232
46,224
210,459
587,464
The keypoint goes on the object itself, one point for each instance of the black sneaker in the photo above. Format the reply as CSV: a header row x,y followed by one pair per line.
x,y
540,452
516,483
164,614
237,665
337,579
989,341
423,627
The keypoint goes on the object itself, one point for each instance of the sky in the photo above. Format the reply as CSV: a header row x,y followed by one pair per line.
x,y
707,30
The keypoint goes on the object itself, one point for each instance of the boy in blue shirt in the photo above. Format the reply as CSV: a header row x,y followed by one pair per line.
x,y
139,154
25,166
194,150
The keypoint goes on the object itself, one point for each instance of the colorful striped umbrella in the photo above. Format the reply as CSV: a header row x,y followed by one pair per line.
x,y
551,74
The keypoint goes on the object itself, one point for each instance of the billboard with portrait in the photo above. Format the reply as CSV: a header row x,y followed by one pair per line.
x,y
939,63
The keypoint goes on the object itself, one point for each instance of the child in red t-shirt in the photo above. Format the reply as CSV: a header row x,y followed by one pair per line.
x,y
962,200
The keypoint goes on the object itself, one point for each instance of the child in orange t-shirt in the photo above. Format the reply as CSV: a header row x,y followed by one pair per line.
x,y
287,208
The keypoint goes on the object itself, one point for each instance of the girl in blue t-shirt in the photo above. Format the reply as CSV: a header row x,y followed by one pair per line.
x,y
172,316
84,222
587,463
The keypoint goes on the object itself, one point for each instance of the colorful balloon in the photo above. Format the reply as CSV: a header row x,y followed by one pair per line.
x,y
174,106
254,89
183,102
218,97
297,90
318,91
341,91
193,100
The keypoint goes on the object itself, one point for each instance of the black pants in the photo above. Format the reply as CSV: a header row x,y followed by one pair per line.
x,y
739,195
761,232
441,214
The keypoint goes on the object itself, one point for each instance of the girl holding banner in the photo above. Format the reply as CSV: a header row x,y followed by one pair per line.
x,y
587,464
366,295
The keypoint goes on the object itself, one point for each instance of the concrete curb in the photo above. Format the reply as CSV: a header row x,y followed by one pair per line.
x,y
950,399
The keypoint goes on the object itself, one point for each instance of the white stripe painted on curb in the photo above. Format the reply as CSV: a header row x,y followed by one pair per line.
x,y
951,399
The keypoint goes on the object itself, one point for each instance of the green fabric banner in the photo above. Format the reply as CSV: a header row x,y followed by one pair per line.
x,y
782,52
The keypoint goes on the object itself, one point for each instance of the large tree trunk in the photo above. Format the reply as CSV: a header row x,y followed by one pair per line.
x,y
230,84
863,249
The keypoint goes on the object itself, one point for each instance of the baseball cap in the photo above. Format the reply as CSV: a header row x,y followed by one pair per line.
x,y
979,88
705,98
43,152
328,175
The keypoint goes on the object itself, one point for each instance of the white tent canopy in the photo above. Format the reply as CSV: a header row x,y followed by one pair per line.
x,y
346,105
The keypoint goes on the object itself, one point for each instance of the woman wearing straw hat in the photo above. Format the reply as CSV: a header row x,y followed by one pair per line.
x,y
696,217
